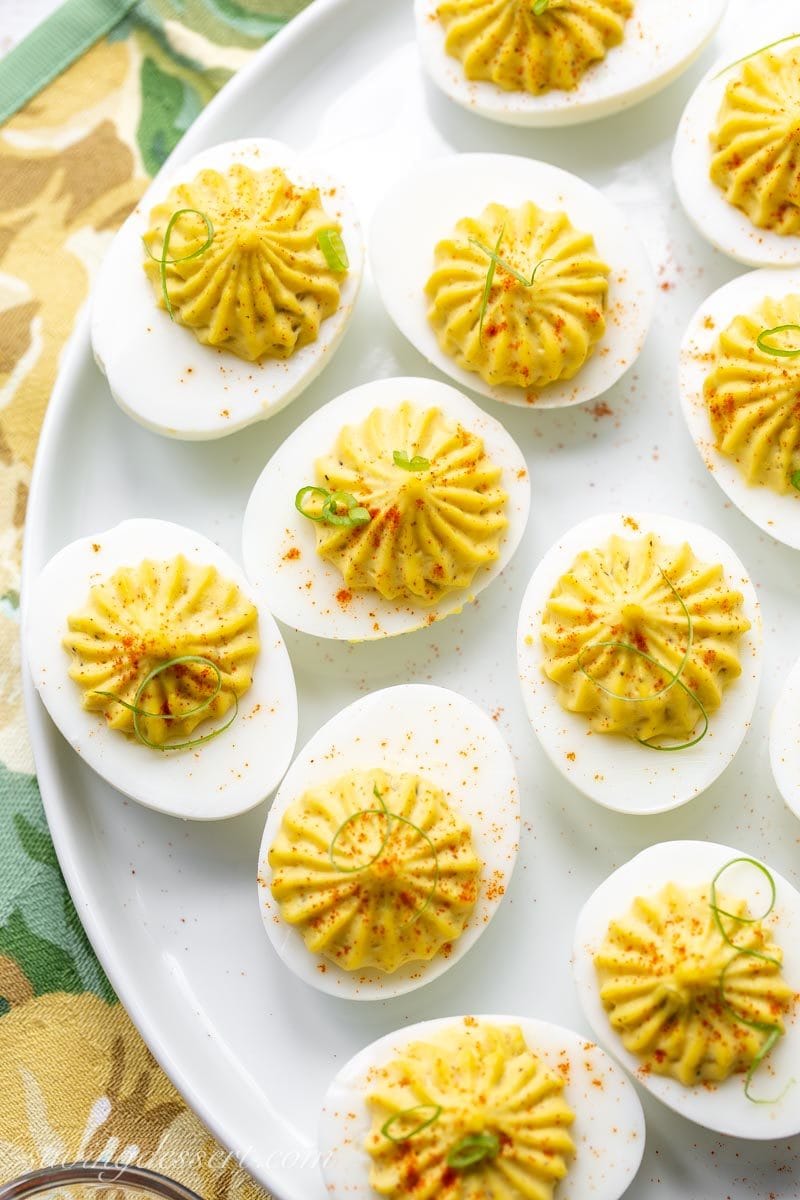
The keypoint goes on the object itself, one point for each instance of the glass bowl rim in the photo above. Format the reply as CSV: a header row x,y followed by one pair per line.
x,y
34,1183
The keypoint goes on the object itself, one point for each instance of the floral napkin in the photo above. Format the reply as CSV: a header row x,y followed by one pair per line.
x,y
113,84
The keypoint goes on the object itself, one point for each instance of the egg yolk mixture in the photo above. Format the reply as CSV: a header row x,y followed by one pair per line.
x,y
756,144
262,287
528,317
753,397
375,870
506,43
431,528
484,1088
143,617
632,593
660,970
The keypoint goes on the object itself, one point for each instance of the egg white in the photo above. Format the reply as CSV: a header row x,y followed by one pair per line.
x,y
609,1130
224,777
777,515
661,40
613,770
722,1107
728,228
423,209
302,591
784,740
157,370
446,739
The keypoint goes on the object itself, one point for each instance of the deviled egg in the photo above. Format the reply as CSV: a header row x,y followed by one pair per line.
x,y
784,740
227,290
559,62
390,843
687,965
739,382
737,153
161,669
511,1106
389,508
639,654
513,277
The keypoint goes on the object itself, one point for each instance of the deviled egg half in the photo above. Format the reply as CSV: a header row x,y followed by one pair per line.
x,y
481,1106
559,62
162,669
784,740
639,654
687,965
390,843
227,290
739,384
513,277
736,160
389,508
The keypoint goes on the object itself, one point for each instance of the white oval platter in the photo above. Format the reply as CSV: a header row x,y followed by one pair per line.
x,y
172,908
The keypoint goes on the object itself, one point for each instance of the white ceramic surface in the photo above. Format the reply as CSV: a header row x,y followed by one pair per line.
x,y
784,740
250,1045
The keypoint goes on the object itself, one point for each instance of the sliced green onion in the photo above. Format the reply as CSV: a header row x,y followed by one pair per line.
x,y
300,501
777,351
354,513
772,1030
362,812
674,677
164,260
497,261
539,7
754,54
720,912
506,266
383,811
191,712
473,1149
417,463
434,1109
334,250
794,480
487,287
331,508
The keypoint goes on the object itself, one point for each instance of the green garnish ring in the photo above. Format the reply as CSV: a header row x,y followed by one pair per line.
x,y
773,1031
191,712
409,1112
674,678
539,6
473,1149
495,262
777,351
794,480
163,260
333,249
754,54
332,503
417,463
391,817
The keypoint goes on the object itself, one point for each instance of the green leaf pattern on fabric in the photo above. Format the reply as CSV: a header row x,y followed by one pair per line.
x,y
168,108
39,928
